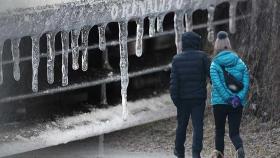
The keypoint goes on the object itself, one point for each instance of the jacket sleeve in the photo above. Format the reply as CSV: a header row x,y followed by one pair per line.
x,y
246,82
207,63
174,83
217,82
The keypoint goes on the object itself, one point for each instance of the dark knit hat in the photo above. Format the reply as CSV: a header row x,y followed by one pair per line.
x,y
222,35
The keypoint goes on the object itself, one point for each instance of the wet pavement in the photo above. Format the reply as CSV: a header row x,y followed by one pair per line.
x,y
88,148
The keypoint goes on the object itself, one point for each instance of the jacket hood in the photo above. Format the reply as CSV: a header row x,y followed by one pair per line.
x,y
226,58
191,41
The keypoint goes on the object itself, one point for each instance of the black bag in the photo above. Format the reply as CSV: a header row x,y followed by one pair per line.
x,y
232,83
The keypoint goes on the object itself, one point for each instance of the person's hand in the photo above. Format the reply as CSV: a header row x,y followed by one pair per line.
x,y
236,101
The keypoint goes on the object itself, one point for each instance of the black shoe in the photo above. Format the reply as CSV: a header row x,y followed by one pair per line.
x,y
177,155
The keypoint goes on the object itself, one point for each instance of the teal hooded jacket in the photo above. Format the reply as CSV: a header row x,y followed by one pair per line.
x,y
234,65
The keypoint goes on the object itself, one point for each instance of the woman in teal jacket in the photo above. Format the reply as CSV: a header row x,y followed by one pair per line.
x,y
222,97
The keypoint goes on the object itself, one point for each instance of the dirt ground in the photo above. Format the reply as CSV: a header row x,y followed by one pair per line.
x,y
261,139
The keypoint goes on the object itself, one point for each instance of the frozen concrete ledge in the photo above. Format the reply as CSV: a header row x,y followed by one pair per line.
x,y
91,124
21,4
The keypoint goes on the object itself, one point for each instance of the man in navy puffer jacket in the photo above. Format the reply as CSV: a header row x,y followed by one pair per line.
x,y
189,73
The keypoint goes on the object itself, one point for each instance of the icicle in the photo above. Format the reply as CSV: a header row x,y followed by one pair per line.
x,y
35,62
179,29
15,53
232,16
124,65
102,37
103,97
139,37
1,66
188,20
75,48
210,28
65,47
85,33
50,56
152,27
160,19
106,64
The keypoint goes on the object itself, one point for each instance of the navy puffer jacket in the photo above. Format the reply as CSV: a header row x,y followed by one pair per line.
x,y
189,70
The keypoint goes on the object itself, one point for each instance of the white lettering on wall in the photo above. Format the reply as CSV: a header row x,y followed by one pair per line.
x,y
140,8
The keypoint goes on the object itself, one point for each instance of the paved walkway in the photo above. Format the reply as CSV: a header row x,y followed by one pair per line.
x,y
88,148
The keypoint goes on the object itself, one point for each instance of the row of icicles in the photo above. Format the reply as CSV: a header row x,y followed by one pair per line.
x,y
123,33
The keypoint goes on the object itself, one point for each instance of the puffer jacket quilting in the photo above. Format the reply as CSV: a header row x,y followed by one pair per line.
x,y
189,71
234,65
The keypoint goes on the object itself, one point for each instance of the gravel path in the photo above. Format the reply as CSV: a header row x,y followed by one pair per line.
x,y
261,139
156,140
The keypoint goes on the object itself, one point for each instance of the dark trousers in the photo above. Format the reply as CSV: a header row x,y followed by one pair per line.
x,y
221,112
185,109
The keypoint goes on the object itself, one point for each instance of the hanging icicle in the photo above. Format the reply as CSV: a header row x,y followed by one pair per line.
x,y
124,65
50,56
160,19
152,28
210,28
35,62
179,29
139,37
1,64
232,16
16,58
85,34
188,20
65,47
106,64
103,96
75,48
102,37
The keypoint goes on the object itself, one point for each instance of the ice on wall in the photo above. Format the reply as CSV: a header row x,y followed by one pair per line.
x,y
85,34
65,47
50,56
15,4
179,29
139,36
35,62
106,64
152,28
210,28
160,19
75,48
103,96
124,65
156,12
1,64
102,37
16,57
232,16
188,21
